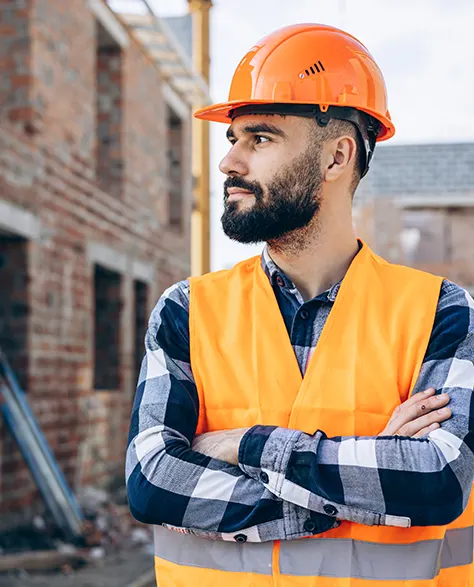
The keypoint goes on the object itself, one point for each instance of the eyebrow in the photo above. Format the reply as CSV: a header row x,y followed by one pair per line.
x,y
258,127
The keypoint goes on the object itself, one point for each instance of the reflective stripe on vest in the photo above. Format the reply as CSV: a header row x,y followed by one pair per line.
x,y
191,551
325,557
344,558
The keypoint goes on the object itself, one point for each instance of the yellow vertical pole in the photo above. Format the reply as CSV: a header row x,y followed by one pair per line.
x,y
200,219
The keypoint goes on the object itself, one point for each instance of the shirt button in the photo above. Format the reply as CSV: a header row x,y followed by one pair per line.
x,y
240,538
309,525
330,509
264,477
304,314
280,281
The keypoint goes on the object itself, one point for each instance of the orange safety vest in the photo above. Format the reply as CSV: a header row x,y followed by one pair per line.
x,y
366,363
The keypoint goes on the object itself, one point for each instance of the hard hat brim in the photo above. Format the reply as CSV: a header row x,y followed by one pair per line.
x,y
221,113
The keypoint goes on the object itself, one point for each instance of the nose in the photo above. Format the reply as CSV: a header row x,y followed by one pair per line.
x,y
233,163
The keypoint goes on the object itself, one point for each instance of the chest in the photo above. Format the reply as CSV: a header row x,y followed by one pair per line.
x,y
307,378
343,372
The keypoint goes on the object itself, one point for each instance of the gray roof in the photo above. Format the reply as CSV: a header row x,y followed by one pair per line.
x,y
420,169
182,27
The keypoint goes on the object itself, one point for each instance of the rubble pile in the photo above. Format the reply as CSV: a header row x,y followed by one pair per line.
x,y
108,529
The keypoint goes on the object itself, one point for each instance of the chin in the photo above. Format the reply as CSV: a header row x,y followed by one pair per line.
x,y
242,204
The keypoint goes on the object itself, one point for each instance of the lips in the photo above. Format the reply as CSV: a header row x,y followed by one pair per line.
x,y
238,193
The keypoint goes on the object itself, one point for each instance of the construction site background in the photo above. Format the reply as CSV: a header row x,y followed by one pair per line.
x,y
95,205
98,189
416,207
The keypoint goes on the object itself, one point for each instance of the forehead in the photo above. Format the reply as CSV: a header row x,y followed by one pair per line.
x,y
249,123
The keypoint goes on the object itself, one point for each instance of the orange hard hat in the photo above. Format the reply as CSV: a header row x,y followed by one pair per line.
x,y
310,70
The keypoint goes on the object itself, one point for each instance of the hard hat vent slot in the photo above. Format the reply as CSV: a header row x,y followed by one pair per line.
x,y
312,70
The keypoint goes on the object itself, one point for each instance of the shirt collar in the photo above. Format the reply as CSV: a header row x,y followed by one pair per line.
x,y
273,272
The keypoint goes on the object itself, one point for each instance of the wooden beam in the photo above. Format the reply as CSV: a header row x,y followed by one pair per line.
x,y
200,219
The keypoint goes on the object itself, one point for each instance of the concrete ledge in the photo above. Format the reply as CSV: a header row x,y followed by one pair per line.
x,y
107,257
120,262
143,271
18,221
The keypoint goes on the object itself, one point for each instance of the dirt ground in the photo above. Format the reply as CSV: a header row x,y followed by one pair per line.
x,y
117,570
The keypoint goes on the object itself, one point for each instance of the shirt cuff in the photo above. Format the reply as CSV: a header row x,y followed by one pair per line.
x,y
264,455
267,448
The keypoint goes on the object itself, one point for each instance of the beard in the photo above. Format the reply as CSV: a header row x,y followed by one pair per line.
x,y
291,204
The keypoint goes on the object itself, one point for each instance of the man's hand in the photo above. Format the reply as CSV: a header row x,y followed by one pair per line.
x,y
416,417
419,415
222,445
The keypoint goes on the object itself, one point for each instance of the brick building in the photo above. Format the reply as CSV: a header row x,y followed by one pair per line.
x,y
95,201
416,207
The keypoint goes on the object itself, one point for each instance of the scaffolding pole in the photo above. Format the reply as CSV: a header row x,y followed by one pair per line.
x,y
200,219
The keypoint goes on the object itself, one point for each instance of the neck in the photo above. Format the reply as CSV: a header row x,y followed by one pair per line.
x,y
317,256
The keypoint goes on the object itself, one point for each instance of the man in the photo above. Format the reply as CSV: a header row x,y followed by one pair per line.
x,y
294,395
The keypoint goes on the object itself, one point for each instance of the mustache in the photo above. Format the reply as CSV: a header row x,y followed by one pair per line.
x,y
236,181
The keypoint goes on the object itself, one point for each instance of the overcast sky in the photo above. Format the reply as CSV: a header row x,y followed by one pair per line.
x,y
425,49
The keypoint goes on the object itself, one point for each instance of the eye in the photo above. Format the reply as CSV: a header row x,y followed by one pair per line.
x,y
260,140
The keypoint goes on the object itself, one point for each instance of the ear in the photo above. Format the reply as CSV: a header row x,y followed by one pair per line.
x,y
338,157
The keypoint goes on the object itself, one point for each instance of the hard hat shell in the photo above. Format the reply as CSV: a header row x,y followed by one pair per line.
x,y
308,64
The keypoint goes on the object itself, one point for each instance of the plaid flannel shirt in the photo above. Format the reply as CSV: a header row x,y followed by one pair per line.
x,y
290,484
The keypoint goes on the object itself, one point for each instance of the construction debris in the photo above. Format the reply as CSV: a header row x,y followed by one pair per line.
x,y
108,530
43,560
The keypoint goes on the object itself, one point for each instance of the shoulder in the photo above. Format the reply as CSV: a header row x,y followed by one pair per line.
x,y
454,298
173,301
454,321
205,289
169,319
225,275
403,275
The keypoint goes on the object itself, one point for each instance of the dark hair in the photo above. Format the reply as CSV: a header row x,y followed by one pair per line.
x,y
337,128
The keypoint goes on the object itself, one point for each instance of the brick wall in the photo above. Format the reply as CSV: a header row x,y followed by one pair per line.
x,y
15,54
109,119
48,168
461,249
63,75
438,240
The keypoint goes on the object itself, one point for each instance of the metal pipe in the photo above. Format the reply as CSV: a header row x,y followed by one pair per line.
x,y
37,453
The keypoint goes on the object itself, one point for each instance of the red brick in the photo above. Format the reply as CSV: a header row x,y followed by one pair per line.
x,y
446,237
55,172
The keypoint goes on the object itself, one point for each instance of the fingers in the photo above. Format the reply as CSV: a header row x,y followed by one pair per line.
x,y
397,418
435,417
417,407
426,431
415,398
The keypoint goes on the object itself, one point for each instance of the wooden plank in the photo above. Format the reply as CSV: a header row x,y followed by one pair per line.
x,y
42,560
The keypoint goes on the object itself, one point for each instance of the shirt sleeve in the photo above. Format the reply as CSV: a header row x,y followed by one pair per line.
x,y
168,483
389,480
